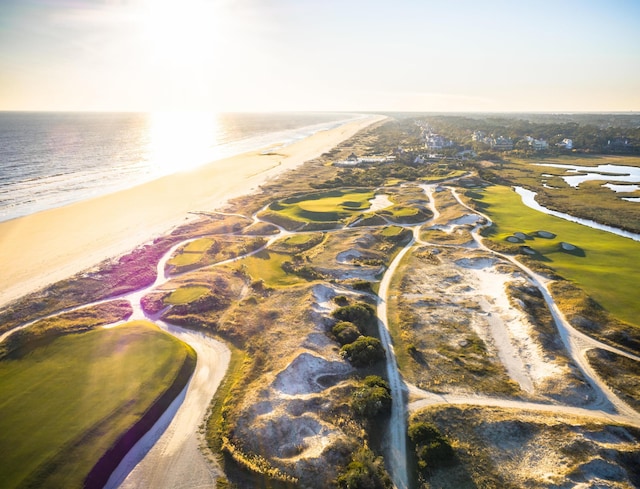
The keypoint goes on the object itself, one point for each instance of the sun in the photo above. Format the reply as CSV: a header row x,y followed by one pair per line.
x,y
181,33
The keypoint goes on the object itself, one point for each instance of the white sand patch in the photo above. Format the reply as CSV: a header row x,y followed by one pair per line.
x,y
323,295
379,202
295,437
304,372
511,331
476,263
466,219
348,256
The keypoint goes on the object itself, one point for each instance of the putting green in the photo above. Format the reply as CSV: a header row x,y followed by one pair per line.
x,y
325,206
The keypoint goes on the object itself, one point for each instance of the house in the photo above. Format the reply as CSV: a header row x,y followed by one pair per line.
x,y
537,144
502,144
566,143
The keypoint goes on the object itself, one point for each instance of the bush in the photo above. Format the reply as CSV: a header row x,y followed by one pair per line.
x,y
341,300
364,352
345,332
365,471
373,398
432,450
360,314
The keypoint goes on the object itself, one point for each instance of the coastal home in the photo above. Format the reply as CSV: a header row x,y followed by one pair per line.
x,y
566,144
537,144
502,144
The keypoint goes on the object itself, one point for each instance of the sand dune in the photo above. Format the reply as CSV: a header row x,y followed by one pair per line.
x,y
42,248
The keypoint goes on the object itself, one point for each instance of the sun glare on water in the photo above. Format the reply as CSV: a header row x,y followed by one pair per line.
x,y
181,141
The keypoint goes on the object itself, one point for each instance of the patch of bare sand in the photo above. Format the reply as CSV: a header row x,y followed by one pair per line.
x,y
473,290
289,421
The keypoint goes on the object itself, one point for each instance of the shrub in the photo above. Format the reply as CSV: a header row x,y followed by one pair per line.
x,y
373,398
364,352
345,332
360,314
432,450
365,471
341,300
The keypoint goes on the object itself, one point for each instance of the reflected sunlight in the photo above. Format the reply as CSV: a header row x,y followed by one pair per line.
x,y
181,141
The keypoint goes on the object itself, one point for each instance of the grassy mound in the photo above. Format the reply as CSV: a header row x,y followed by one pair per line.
x,y
66,404
331,206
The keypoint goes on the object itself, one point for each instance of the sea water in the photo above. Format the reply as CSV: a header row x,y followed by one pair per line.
x,y
51,159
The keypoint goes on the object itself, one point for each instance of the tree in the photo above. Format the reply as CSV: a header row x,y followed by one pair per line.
x,y
364,352
432,449
345,332
373,398
365,471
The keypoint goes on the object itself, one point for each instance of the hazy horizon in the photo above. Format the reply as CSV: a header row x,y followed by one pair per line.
x,y
292,56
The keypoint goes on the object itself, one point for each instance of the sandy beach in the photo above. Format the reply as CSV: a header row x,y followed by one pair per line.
x,y
48,246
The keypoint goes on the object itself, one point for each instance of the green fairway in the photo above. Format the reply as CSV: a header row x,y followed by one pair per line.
x,y
267,266
187,294
191,253
606,266
64,404
329,206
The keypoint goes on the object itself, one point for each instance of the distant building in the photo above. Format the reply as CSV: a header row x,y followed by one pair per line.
x,y
435,141
566,144
353,160
537,144
502,144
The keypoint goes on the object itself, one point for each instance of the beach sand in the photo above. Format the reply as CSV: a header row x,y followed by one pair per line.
x,y
48,246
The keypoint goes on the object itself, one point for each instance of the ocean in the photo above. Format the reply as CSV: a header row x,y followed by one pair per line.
x,y
51,159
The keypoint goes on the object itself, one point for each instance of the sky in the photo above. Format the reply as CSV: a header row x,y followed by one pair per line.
x,y
352,55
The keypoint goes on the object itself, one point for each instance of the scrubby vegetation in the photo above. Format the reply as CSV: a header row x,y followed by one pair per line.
x,y
365,471
365,351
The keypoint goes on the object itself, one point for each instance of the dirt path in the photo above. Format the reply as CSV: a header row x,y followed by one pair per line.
x,y
173,459
397,440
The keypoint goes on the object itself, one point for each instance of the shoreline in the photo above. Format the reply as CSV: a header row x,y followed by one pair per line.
x,y
43,248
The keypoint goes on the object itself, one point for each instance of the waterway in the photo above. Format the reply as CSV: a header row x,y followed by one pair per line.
x,y
529,199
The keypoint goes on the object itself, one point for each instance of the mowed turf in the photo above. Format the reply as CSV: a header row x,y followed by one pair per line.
x,y
325,206
64,404
609,269
186,294
267,266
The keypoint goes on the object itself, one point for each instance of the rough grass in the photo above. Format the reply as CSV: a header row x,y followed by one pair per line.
x,y
621,374
502,448
606,259
96,385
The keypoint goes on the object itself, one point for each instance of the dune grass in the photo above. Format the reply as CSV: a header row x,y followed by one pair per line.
x,y
65,404
606,267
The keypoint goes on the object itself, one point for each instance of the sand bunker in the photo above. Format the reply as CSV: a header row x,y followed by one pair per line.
x,y
303,373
